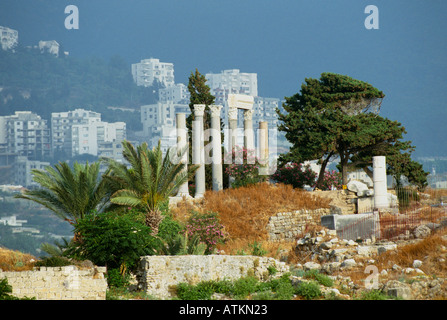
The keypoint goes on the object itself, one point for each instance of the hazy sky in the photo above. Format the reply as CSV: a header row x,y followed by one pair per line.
x,y
283,41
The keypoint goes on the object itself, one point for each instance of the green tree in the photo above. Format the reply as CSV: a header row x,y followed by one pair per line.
x,y
336,116
398,160
71,193
150,181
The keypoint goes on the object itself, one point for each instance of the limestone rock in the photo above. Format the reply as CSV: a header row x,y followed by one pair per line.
x,y
417,263
311,265
348,263
360,188
422,231
396,288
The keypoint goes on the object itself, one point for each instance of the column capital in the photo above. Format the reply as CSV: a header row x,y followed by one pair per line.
x,y
215,110
248,114
199,110
232,113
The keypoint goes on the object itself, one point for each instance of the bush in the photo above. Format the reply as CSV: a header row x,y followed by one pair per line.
x,y
202,291
245,170
55,261
116,279
257,250
331,179
275,289
111,239
295,175
319,277
208,228
373,295
308,290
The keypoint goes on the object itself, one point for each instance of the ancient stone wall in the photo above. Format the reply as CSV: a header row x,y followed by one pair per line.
x,y
158,275
58,283
285,226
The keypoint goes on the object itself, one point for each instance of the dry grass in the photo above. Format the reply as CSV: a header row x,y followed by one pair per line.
x,y
245,212
11,260
436,193
428,250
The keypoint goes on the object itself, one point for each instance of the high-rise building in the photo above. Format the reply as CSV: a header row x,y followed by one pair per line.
x,y
23,171
61,125
232,81
176,93
98,138
147,71
159,122
25,134
82,132
9,38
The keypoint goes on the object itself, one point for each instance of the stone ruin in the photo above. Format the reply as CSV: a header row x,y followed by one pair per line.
x,y
235,101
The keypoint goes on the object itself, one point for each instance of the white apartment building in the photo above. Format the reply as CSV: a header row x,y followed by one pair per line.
x,y
9,38
98,138
159,122
232,81
176,93
25,134
147,71
265,110
62,122
81,131
23,171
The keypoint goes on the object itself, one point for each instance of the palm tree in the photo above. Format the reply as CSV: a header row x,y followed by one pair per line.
x,y
70,193
150,180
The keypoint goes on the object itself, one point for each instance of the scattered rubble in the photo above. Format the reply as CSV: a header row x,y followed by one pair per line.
x,y
325,252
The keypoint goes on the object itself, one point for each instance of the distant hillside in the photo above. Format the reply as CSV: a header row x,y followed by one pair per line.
x,y
42,83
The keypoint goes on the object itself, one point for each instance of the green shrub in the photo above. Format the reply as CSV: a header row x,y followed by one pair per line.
x,y
55,261
111,239
244,169
244,286
5,290
169,227
181,245
202,291
319,277
208,228
373,294
275,289
308,290
257,250
295,175
116,279
264,295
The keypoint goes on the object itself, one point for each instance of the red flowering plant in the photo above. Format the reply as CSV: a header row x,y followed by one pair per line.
x,y
295,174
208,228
244,168
331,180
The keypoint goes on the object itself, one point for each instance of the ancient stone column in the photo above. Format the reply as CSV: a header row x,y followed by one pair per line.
x,y
232,138
248,130
198,151
216,147
263,147
379,180
232,121
182,143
